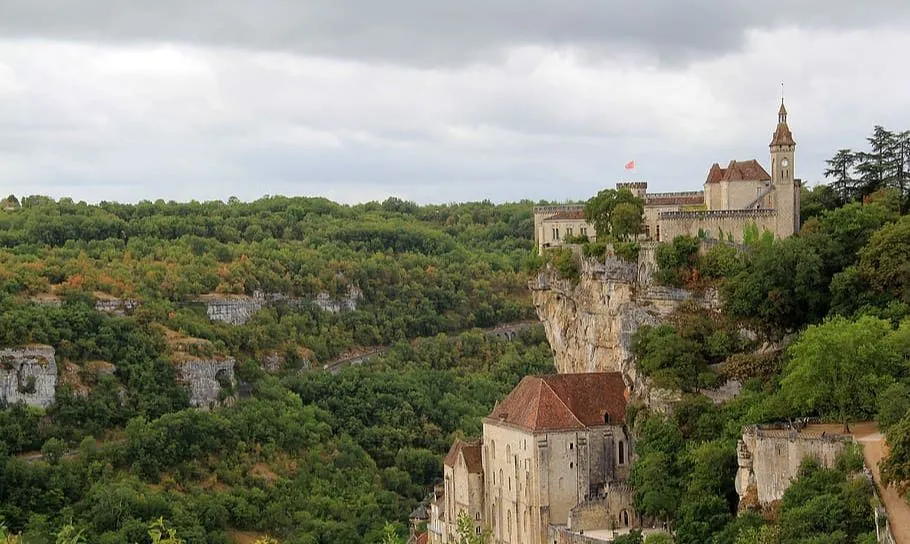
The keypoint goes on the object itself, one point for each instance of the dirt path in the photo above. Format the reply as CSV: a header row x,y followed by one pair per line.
x,y
874,448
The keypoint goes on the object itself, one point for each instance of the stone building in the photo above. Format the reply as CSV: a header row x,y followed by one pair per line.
x,y
553,444
734,198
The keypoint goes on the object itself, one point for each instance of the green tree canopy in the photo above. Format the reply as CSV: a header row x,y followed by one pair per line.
x,y
837,368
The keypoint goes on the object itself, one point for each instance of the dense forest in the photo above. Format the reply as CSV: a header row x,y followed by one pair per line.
x,y
311,456
305,456
829,315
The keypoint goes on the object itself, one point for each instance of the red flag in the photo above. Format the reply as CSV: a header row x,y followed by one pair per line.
x,y
630,165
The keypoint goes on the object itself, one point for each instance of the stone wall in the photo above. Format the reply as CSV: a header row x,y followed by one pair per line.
x,y
614,509
28,374
715,223
205,379
564,535
769,458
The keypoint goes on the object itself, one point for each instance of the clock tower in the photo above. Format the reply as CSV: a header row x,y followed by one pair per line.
x,y
785,186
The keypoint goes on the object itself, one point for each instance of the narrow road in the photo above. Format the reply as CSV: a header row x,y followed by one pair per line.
x,y
874,449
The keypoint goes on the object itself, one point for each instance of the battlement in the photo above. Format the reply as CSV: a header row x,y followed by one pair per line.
x,y
677,194
559,208
632,185
709,215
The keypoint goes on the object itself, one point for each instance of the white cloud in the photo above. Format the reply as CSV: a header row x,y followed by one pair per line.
x,y
175,121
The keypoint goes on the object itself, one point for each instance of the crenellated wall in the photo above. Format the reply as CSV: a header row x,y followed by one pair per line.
x,y
28,374
716,223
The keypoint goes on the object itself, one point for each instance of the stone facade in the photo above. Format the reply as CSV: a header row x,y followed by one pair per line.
x,y
769,457
734,199
28,374
205,379
554,443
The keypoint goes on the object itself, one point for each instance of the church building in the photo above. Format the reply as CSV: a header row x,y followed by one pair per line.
x,y
735,198
555,453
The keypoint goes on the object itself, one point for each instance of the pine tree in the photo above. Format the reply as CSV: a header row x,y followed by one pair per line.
x,y
840,169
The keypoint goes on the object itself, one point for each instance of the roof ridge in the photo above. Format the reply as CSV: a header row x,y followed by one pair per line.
x,y
539,381
563,402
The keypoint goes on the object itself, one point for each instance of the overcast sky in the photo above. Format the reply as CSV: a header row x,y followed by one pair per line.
x,y
431,101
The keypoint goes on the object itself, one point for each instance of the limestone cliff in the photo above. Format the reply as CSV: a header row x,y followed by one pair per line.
x,y
238,309
590,324
28,374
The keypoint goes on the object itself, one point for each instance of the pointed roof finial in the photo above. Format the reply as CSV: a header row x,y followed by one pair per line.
x,y
782,112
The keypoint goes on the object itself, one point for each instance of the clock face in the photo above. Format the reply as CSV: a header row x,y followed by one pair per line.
x,y
785,163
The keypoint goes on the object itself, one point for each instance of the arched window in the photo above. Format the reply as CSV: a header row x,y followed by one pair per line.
x,y
624,518
622,453
493,448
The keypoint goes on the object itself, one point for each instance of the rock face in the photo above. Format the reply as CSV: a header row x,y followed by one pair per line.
x,y
28,374
235,310
769,457
206,378
590,325
347,303
238,309
116,306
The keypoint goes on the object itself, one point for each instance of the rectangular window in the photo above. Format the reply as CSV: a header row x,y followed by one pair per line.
x,y
584,231
569,231
556,234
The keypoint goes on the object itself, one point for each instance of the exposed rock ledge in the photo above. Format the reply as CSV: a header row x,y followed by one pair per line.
x,y
28,374
238,309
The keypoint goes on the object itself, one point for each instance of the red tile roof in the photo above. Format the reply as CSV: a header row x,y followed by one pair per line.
x,y
471,453
564,401
749,170
574,214
782,136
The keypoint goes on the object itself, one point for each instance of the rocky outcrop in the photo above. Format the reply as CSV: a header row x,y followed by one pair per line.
x,y
233,309
346,303
28,374
206,378
590,324
238,309
116,306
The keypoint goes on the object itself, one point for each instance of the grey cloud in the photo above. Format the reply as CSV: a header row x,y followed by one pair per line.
x,y
427,32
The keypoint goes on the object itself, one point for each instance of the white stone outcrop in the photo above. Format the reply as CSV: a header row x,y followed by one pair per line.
x,y
205,379
28,374
238,309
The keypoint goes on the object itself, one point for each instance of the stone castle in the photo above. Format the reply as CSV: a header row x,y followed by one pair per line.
x,y
736,198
